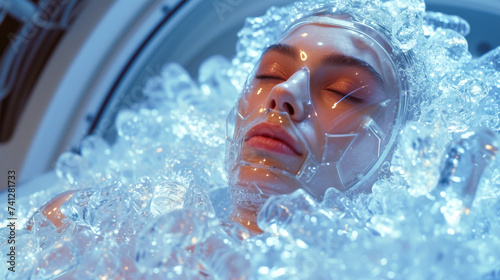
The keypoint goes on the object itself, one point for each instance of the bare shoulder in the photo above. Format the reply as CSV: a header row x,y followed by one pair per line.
x,y
52,209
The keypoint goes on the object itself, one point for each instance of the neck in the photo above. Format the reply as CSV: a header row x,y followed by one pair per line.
x,y
246,219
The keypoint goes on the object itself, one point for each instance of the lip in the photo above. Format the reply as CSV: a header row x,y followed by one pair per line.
x,y
273,138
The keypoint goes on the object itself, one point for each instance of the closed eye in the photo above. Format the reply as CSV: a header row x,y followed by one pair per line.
x,y
348,96
268,77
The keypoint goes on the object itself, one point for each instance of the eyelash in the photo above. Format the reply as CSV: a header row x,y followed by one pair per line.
x,y
267,77
348,97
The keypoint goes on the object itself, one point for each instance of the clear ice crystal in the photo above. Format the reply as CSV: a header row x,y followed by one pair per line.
x,y
221,202
57,260
278,212
168,196
418,157
95,149
196,198
178,85
213,80
44,230
128,124
455,46
23,257
465,161
217,254
490,61
73,167
141,194
163,237
435,20
98,208
407,28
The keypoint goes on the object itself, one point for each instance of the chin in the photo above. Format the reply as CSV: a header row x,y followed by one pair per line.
x,y
251,186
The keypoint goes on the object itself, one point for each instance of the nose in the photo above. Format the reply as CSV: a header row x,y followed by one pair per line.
x,y
291,95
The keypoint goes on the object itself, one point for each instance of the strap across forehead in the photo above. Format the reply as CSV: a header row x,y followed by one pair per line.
x,y
347,22
323,20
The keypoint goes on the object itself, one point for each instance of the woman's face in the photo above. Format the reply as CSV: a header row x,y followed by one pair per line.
x,y
316,113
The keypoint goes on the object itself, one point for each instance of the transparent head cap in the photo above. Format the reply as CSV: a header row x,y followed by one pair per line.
x,y
320,109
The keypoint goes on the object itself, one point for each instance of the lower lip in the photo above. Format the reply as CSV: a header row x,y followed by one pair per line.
x,y
272,145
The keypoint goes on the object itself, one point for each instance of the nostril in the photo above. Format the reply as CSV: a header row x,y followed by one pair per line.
x,y
289,107
273,104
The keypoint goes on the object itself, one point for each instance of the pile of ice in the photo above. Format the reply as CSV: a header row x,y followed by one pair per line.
x,y
154,205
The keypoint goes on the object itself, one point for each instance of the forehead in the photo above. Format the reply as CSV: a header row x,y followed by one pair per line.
x,y
318,41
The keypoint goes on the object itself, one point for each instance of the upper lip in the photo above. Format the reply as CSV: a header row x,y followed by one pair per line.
x,y
276,132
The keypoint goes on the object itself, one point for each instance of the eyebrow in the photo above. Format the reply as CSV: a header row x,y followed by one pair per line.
x,y
334,59
284,49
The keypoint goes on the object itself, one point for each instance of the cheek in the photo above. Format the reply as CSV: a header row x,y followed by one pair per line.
x,y
314,136
249,106
344,117
253,99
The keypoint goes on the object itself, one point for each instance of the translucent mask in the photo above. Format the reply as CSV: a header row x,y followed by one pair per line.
x,y
319,110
